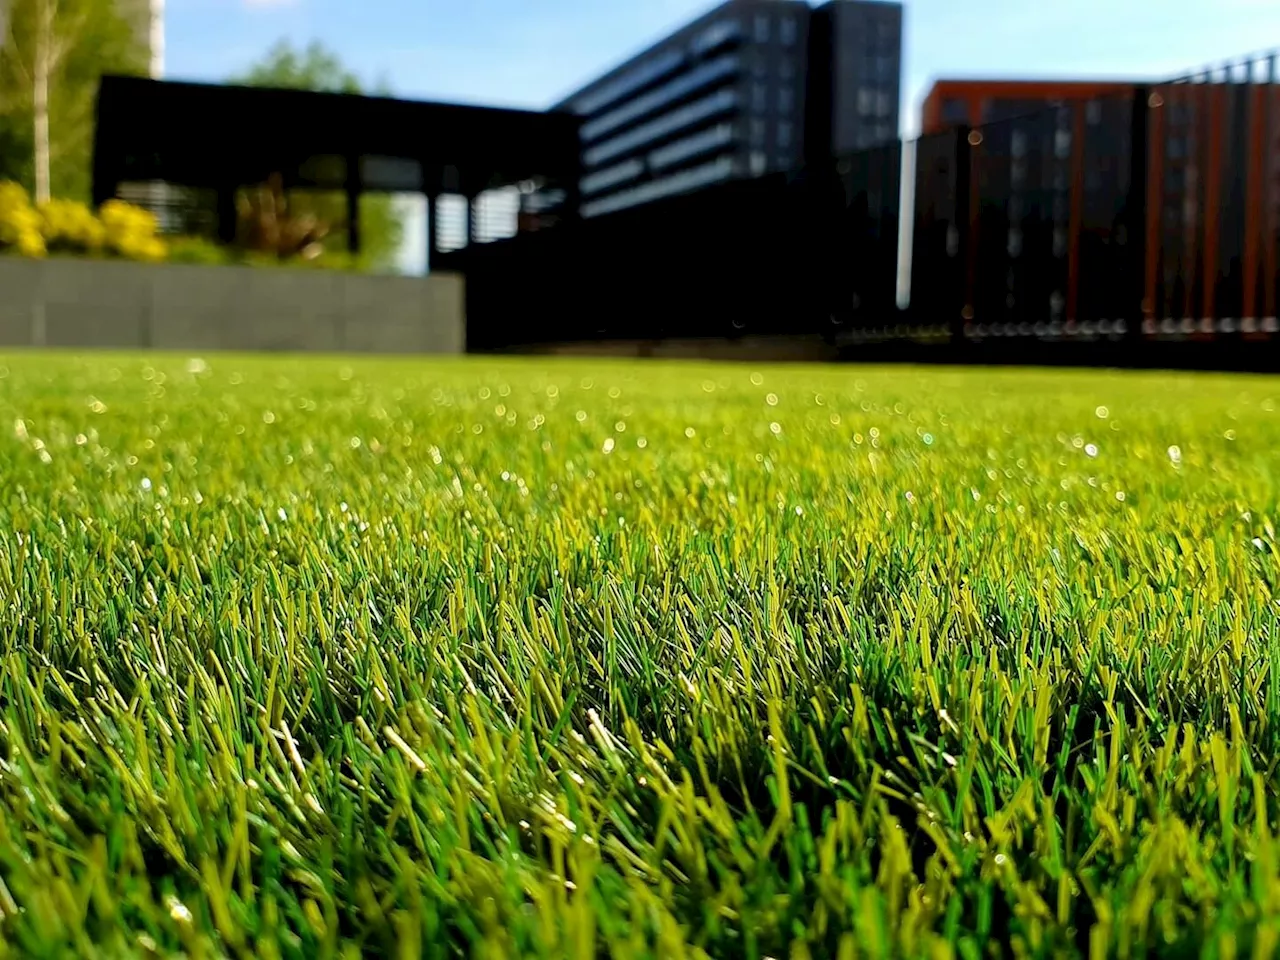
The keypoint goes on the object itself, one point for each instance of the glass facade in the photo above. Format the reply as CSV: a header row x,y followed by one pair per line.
x,y
611,176
866,45
692,178
640,76
685,116
729,96
692,146
682,86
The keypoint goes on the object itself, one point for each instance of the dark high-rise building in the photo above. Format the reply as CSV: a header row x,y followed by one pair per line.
x,y
753,87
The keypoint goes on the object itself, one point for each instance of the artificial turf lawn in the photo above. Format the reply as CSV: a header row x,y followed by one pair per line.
x,y
529,658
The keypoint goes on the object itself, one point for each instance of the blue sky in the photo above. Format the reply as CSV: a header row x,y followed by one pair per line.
x,y
529,52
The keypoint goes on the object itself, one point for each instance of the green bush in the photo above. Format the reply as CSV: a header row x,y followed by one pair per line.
x,y
200,251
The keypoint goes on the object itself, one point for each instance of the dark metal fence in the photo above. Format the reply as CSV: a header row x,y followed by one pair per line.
x,y
811,253
1028,227
1147,216
1212,204
1142,226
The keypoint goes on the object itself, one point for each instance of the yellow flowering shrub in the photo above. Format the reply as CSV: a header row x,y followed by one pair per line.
x,y
131,231
70,226
65,226
19,223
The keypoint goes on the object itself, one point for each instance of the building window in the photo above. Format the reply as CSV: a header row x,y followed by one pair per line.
x,y
757,132
762,28
716,35
786,68
784,135
786,99
758,163
1062,144
699,143
955,111
706,74
638,77
884,104
787,31
696,112
866,101
759,97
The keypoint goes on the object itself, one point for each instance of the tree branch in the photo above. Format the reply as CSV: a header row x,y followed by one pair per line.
x,y
11,37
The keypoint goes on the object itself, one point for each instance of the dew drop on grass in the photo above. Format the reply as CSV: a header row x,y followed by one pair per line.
x,y
178,910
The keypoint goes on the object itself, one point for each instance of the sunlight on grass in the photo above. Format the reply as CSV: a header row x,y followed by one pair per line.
x,y
545,658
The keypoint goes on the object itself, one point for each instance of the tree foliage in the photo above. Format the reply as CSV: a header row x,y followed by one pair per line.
x,y
319,69
313,68
93,37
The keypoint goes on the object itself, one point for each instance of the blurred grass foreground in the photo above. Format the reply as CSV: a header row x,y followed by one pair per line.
x,y
484,658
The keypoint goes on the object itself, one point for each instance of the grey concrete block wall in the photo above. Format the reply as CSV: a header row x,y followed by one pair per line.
x,y
87,303
94,304
20,292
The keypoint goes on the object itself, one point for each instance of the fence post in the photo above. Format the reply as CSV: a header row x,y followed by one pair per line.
x,y
1135,224
963,227
353,187
226,215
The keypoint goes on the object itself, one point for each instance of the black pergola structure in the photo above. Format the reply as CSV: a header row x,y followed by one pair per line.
x,y
224,138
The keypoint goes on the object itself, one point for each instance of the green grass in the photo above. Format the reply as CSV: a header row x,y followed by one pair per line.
x,y
327,657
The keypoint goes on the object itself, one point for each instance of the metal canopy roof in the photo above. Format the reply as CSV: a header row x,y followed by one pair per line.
x,y
203,135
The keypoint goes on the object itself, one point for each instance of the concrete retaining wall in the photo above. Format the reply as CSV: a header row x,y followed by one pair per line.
x,y
90,303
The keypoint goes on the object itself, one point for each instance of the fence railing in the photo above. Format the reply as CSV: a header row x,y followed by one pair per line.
x,y
1152,213
1213,192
